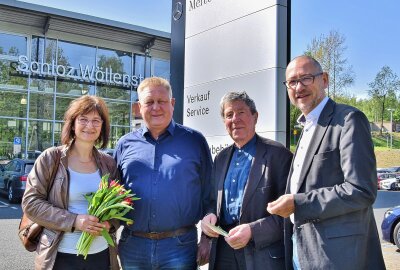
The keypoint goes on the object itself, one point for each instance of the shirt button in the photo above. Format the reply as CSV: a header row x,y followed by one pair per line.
x,y
240,151
233,180
237,164
154,215
232,200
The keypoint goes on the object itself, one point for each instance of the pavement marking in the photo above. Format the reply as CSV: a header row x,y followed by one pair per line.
x,y
4,204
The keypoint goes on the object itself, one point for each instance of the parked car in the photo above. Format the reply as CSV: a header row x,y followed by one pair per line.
x,y
389,184
395,170
34,154
391,226
382,170
13,177
108,151
387,181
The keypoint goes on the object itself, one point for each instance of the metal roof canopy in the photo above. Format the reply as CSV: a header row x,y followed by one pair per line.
x,y
61,21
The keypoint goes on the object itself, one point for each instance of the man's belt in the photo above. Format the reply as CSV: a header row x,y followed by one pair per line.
x,y
162,235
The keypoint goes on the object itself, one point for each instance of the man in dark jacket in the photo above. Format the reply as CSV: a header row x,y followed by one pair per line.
x,y
246,176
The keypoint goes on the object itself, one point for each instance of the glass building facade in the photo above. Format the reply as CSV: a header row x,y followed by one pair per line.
x,y
32,103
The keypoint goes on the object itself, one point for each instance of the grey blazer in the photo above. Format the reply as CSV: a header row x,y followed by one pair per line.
x,y
334,221
266,182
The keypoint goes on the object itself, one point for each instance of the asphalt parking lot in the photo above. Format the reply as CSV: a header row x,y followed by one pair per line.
x,y
385,200
14,257
391,254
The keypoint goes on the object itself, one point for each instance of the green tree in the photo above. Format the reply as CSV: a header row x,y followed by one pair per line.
x,y
384,88
329,51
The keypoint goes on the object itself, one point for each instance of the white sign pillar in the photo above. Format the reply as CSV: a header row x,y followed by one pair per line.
x,y
235,45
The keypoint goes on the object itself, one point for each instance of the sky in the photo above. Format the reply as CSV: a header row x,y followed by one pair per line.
x,y
371,27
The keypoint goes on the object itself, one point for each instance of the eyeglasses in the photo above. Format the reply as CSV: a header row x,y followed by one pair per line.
x,y
306,80
85,122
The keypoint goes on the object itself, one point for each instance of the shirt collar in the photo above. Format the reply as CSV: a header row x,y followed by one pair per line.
x,y
314,114
170,129
248,145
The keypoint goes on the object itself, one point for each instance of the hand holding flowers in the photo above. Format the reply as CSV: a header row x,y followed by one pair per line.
x,y
110,201
90,224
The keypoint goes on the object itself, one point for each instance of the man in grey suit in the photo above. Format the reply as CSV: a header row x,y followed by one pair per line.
x,y
332,181
246,176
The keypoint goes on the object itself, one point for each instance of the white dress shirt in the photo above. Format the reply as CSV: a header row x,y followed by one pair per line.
x,y
309,122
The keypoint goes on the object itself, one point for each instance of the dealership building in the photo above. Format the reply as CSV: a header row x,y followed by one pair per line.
x,y
48,57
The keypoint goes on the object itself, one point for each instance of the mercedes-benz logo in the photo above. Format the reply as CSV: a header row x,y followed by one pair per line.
x,y
178,11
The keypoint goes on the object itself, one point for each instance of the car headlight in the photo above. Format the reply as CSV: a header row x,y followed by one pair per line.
x,y
388,213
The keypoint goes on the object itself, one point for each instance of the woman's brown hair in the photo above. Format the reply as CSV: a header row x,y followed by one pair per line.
x,y
84,105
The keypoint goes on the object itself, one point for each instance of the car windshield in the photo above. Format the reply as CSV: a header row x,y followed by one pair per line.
x,y
28,168
393,169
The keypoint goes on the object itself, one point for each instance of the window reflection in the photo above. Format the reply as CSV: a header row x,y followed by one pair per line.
x,y
115,62
9,78
39,135
115,134
57,133
41,106
74,88
16,100
12,104
140,62
43,49
72,54
42,85
12,45
161,68
11,128
62,105
118,61
119,113
113,92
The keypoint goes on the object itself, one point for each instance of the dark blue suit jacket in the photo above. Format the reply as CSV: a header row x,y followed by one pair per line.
x,y
266,182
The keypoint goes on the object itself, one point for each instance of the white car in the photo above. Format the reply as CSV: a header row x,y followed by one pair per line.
x,y
389,184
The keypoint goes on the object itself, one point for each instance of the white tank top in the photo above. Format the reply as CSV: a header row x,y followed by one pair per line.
x,y
79,185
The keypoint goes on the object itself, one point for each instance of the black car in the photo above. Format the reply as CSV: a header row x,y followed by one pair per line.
x,y
13,177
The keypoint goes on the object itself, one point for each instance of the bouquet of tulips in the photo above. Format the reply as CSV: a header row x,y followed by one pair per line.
x,y
110,201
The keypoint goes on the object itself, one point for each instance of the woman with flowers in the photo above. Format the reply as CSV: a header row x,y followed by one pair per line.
x,y
55,189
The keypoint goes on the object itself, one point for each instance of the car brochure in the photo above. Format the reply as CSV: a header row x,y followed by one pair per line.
x,y
216,229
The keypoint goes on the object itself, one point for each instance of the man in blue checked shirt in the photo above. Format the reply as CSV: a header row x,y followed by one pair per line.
x,y
168,166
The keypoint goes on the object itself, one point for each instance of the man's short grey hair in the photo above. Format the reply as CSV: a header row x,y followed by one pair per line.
x,y
315,62
237,96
